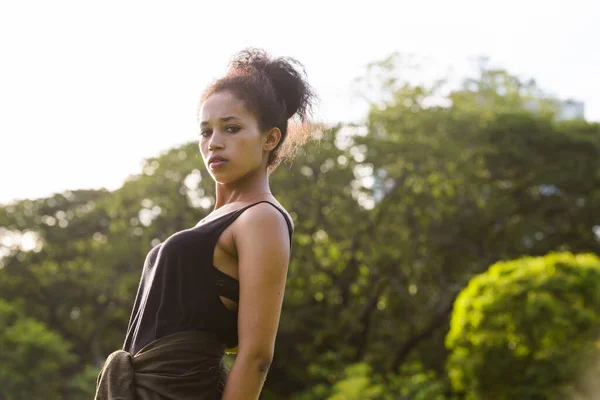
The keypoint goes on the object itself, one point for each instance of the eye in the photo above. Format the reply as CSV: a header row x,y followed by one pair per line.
x,y
232,129
205,133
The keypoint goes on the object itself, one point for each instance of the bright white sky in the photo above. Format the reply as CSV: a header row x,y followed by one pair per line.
x,y
89,89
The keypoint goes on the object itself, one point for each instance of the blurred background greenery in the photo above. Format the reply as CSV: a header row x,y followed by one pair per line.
x,y
446,249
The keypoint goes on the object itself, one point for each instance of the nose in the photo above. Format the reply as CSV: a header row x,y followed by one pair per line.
x,y
216,140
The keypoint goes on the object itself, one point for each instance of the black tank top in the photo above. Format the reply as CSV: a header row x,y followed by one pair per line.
x,y
180,288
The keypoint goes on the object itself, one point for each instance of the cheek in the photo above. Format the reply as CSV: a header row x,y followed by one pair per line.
x,y
255,148
203,148
249,147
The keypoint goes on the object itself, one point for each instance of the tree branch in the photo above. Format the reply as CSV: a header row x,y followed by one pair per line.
x,y
359,339
438,321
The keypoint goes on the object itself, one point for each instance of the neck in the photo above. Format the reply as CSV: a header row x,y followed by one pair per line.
x,y
242,190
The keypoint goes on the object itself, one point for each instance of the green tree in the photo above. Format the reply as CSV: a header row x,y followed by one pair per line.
x,y
360,382
524,328
465,186
33,358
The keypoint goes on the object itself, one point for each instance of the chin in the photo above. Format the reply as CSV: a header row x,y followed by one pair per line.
x,y
222,178
229,177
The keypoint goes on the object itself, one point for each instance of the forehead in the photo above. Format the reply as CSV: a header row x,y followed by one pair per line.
x,y
222,104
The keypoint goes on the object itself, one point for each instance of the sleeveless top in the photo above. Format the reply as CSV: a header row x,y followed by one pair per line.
x,y
180,288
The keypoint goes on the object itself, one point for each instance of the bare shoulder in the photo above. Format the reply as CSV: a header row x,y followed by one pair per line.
x,y
267,216
287,214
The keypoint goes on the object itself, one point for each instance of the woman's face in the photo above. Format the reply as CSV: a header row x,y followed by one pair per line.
x,y
231,142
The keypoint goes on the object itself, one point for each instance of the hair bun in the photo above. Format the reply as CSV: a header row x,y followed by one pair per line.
x,y
286,75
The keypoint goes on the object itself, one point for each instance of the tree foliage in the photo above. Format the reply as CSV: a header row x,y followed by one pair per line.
x,y
359,382
524,328
33,356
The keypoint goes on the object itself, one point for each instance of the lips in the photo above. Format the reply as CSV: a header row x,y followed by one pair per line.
x,y
216,159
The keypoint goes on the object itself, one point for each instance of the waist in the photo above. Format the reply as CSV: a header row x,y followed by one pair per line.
x,y
179,365
195,341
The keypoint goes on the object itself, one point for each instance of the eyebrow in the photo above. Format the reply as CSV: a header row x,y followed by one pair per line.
x,y
224,119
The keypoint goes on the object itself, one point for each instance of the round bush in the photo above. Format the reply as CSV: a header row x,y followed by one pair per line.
x,y
526,328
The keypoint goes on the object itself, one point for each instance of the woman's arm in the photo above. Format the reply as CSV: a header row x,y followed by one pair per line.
x,y
263,249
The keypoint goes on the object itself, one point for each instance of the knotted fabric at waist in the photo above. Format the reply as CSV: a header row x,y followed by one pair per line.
x,y
181,366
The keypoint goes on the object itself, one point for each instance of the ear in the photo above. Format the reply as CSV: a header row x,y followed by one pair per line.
x,y
272,138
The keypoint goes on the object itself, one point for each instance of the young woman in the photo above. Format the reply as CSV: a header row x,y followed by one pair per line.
x,y
220,284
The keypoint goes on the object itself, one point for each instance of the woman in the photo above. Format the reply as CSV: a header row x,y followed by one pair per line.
x,y
220,284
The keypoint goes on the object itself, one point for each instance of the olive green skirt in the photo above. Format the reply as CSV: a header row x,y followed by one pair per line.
x,y
181,366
